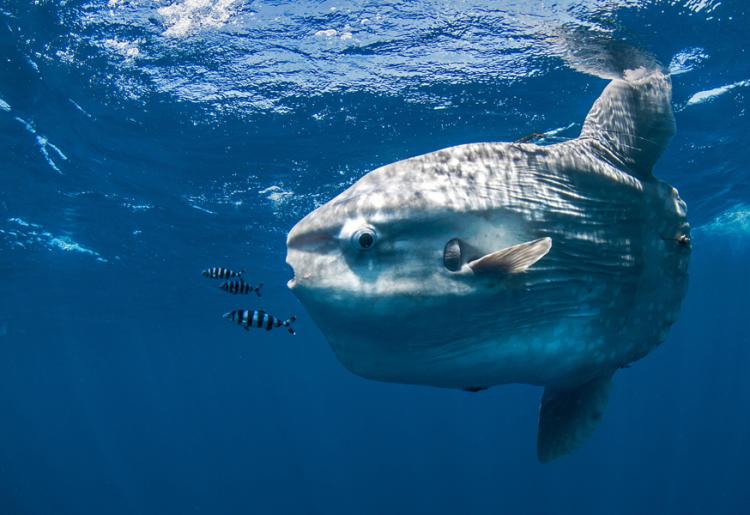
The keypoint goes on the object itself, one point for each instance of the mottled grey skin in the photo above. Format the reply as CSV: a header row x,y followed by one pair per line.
x,y
603,297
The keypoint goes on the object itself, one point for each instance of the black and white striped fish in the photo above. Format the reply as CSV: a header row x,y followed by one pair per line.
x,y
218,272
238,286
259,318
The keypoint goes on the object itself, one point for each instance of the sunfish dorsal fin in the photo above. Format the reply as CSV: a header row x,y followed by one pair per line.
x,y
511,260
632,119
567,417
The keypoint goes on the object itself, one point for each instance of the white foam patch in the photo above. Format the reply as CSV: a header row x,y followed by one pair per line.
x,y
276,194
25,234
22,222
686,60
199,208
44,145
709,95
68,245
127,49
32,63
555,132
138,207
81,109
733,222
187,17
328,33
707,6
344,35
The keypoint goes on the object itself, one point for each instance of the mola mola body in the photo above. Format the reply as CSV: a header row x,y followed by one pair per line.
x,y
494,263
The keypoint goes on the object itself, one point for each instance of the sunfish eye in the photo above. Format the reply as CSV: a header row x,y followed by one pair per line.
x,y
452,255
364,238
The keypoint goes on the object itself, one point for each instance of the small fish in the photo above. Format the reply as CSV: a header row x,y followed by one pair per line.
x,y
218,272
240,286
259,318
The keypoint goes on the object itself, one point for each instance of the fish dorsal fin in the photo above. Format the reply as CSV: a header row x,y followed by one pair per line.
x,y
511,260
632,120
567,417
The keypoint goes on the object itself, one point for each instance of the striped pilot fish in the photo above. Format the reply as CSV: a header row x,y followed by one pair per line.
x,y
217,272
238,286
259,318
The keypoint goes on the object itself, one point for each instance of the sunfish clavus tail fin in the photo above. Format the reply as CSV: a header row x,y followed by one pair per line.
x,y
632,120
567,417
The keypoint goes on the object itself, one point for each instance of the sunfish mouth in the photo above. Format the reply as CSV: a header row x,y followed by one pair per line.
x,y
298,280
294,281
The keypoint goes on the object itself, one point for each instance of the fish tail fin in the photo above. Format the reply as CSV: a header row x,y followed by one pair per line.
x,y
288,324
257,290
632,121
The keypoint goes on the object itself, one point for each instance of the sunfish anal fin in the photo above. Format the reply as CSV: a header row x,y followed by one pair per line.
x,y
511,260
567,417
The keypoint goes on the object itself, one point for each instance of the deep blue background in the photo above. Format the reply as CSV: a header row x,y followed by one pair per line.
x,y
123,391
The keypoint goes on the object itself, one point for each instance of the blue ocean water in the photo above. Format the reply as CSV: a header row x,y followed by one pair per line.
x,y
144,140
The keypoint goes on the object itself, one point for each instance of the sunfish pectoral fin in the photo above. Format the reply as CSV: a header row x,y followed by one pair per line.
x,y
567,417
511,260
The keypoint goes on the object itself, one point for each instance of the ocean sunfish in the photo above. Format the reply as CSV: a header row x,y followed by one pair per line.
x,y
494,263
